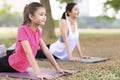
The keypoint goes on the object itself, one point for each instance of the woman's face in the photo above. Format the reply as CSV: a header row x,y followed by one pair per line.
x,y
75,12
39,16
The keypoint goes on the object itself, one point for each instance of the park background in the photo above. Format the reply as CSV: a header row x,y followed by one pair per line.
x,y
99,29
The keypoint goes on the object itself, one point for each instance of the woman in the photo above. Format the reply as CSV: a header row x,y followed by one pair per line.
x,y
69,38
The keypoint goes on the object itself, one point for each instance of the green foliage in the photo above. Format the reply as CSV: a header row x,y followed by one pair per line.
x,y
99,22
111,4
115,4
62,1
7,17
6,9
111,19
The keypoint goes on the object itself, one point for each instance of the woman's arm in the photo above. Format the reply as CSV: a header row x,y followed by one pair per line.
x,y
80,51
64,33
48,54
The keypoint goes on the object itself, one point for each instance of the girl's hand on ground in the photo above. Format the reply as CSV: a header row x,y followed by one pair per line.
x,y
62,71
43,76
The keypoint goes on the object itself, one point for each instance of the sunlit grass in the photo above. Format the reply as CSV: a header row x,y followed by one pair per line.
x,y
8,34
94,32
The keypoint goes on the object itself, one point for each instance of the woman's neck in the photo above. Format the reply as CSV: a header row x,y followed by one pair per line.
x,y
72,20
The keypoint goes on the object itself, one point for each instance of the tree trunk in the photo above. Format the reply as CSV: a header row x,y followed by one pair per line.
x,y
48,29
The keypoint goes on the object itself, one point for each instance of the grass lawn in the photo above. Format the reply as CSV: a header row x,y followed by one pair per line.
x,y
102,43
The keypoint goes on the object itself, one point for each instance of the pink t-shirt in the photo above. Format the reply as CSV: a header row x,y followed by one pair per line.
x,y
18,60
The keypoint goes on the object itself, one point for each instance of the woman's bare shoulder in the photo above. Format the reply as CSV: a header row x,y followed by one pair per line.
x,y
62,22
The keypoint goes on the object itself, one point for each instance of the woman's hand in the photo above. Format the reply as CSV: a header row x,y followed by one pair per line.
x,y
85,57
43,76
74,58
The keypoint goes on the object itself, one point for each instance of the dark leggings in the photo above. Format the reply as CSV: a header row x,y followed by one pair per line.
x,y
40,54
4,65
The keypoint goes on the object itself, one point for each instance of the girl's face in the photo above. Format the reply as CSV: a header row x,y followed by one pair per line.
x,y
75,12
39,17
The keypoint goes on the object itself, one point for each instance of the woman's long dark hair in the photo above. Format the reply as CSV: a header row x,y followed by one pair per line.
x,y
69,8
30,9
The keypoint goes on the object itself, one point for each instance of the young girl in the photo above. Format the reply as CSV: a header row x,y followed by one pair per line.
x,y
66,43
28,40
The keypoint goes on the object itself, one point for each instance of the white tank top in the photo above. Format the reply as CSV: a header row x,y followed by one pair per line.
x,y
58,48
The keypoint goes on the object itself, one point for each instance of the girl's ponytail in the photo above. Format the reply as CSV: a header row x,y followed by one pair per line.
x,y
26,15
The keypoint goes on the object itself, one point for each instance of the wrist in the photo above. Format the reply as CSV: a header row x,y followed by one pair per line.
x,y
70,56
81,55
38,72
58,69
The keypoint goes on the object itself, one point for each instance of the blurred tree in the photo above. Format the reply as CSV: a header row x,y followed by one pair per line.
x,y
48,29
8,18
5,8
63,1
111,5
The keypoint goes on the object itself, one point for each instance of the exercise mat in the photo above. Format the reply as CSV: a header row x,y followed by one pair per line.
x,y
29,74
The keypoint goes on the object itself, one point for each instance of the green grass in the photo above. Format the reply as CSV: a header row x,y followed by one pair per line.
x,y
97,35
104,74
93,33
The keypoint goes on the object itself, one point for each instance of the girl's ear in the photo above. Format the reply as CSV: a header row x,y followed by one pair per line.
x,y
31,17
